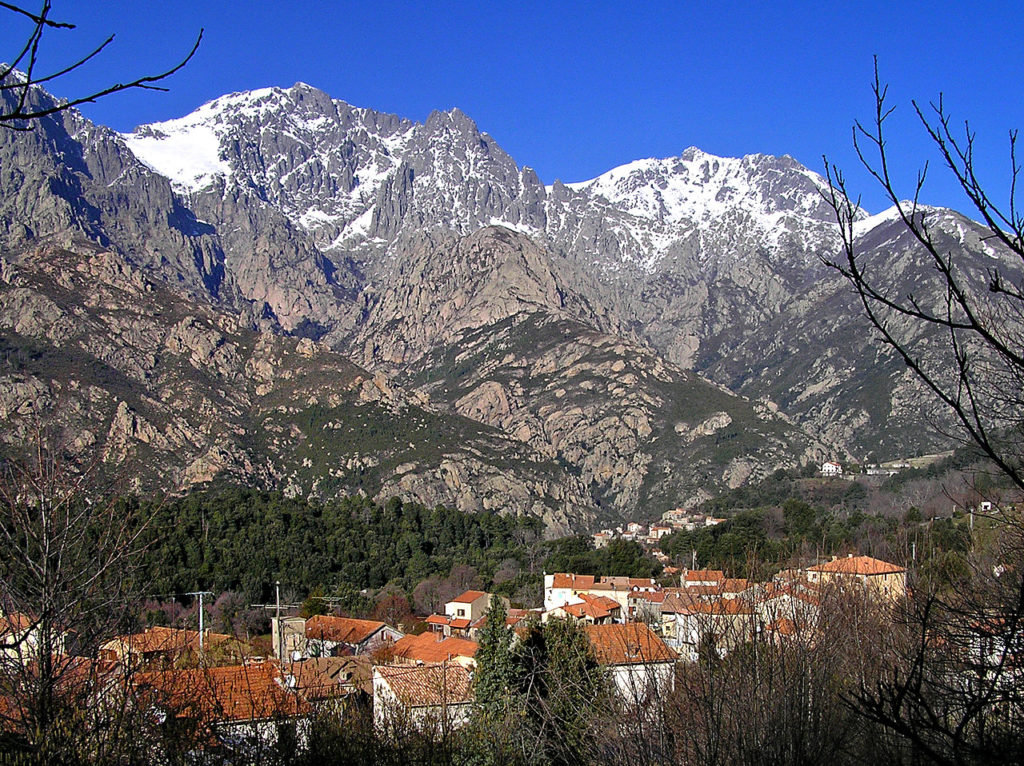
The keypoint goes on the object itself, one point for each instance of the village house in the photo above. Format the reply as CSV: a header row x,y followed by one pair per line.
x,y
19,639
592,610
787,609
659,531
464,615
645,606
721,624
168,646
82,683
640,664
635,529
329,636
707,578
831,468
676,602
434,698
561,589
689,521
993,648
289,632
241,707
881,578
429,647
332,685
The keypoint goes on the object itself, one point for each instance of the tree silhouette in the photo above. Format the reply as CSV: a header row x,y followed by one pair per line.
x,y
18,77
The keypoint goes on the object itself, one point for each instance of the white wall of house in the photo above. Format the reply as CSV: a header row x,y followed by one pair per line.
x,y
639,682
390,713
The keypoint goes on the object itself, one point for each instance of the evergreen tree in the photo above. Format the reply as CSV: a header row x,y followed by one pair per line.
x,y
498,664
496,725
565,691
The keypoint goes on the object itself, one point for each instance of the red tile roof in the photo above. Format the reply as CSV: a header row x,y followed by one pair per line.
x,y
345,630
161,640
630,644
563,580
678,603
327,677
595,607
15,622
428,685
232,693
858,565
704,575
468,597
735,585
655,597
426,648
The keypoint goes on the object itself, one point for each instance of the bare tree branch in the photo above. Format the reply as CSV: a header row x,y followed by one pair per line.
x,y
22,82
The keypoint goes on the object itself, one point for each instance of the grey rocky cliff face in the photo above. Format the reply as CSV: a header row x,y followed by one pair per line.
x,y
174,393
424,252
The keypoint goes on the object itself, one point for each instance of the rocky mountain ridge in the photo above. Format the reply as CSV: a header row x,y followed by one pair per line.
x,y
642,339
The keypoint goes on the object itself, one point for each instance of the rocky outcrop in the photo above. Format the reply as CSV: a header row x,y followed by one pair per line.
x,y
634,342
170,393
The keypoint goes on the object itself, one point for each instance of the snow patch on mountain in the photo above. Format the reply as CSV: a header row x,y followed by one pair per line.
x,y
185,151
701,186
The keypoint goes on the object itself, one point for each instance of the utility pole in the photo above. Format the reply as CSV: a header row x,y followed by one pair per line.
x,y
200,594
277,624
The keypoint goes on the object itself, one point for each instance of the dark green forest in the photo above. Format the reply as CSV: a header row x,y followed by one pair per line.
x,y
244,540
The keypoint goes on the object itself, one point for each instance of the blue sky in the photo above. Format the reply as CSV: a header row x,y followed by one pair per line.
x,y
574,89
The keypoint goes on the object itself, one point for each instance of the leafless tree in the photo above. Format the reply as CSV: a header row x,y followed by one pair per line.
x,y
22,73
777,696
65,585
979,311
951,696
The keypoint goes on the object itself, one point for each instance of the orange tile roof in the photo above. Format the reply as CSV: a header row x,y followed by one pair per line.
x,y
161,640
630,644
344,630
326,677
468,597
595,607
858,565
428,685
232,693
438,619
655,597
460,623
784,627
678,603
426,648
601,601
704,575
563,580
15,622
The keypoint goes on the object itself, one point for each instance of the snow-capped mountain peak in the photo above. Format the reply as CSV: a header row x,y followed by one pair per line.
x,y
351,177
